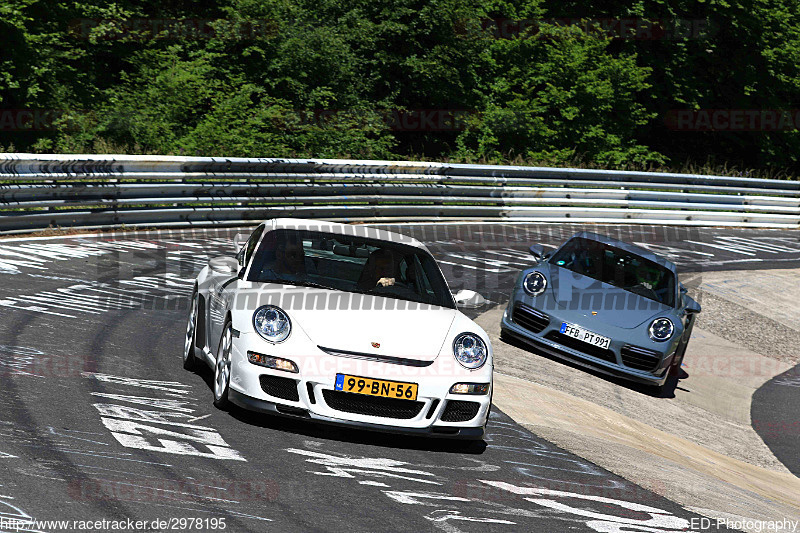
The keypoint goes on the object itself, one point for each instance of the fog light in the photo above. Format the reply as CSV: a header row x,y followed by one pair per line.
x,y
272,362
470,388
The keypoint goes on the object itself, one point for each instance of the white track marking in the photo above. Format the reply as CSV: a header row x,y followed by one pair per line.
x,y
244,515
483,260
766,247
615,527
659,518
431,499
166,386
168,404
126,412
98,298
473,267
53,431
143,429
416,498
131,433
23,522
349,467
444,515
738,250
788,381
110,455
211,498
177,447
670,251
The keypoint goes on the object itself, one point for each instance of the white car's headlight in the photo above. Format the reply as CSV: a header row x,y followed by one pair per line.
x,y
272,323
534,283
470,350
661,329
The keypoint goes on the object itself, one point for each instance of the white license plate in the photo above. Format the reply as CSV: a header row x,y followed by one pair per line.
x,y
585,335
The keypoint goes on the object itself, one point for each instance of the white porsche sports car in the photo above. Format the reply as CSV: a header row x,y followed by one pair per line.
x,y
341,324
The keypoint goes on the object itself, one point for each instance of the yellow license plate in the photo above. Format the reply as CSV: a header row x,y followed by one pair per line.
x,y
376,387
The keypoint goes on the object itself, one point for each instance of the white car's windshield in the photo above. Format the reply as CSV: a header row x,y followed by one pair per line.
x,y
351,264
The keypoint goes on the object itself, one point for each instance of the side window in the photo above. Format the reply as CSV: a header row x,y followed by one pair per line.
x,y
423,284
404,270
251,244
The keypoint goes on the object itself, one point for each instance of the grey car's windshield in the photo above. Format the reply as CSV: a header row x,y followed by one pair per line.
x,y
617,267
351,264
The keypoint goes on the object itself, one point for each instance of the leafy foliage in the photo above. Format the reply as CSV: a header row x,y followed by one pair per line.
x,y
336,78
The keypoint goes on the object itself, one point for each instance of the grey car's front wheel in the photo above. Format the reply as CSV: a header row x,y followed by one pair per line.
x,y
677,360
222,368
190,341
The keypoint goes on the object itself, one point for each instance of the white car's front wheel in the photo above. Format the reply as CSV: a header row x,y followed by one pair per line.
x,y
189,360
222,368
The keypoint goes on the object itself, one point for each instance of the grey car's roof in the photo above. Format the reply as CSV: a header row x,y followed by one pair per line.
x,y
638,250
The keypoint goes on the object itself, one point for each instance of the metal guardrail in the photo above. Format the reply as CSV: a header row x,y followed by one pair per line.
x,y
104,191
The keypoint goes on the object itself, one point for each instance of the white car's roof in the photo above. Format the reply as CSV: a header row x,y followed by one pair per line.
x,y
357,230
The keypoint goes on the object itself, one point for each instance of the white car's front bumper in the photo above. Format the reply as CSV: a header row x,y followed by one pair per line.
x,y
312,395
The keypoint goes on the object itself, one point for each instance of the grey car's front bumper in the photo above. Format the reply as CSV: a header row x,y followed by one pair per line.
x,y
539,342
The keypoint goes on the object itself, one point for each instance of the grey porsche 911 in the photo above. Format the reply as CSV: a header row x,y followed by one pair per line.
x,y
606,304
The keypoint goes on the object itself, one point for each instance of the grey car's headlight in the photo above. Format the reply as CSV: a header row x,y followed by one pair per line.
x,y
534,283
661,329
470,350
272,323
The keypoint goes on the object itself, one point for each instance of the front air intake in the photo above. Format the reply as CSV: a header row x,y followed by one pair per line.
x,y
283,388
372,405
459,411
529,318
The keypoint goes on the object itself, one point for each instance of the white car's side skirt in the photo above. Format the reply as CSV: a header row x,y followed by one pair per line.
x,y
210,359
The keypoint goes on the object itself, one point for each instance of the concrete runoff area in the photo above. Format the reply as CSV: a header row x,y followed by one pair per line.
x,y
695,443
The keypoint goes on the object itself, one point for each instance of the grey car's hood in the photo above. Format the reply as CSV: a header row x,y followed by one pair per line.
x,y
612,305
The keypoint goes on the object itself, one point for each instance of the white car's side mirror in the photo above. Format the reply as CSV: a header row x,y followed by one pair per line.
x,y
469,299
224,265
240,239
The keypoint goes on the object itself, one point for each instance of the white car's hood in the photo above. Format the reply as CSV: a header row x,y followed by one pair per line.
x,y
417,333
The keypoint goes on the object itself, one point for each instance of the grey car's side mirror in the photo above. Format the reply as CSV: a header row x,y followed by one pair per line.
x,y
684,290
537,251
224,265
692,307
469,299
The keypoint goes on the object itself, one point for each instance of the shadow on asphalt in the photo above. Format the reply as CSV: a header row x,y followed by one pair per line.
x,y
667,391
314,429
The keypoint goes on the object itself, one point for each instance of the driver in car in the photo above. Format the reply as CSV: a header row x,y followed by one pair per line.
x,y
379,270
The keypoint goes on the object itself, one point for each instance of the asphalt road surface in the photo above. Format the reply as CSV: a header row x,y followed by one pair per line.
x,y
100,421
776,417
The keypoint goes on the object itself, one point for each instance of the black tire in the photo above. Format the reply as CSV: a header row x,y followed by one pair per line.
x,y
222,368
680,351
489,411
472,446
504,336
190,340
677,361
